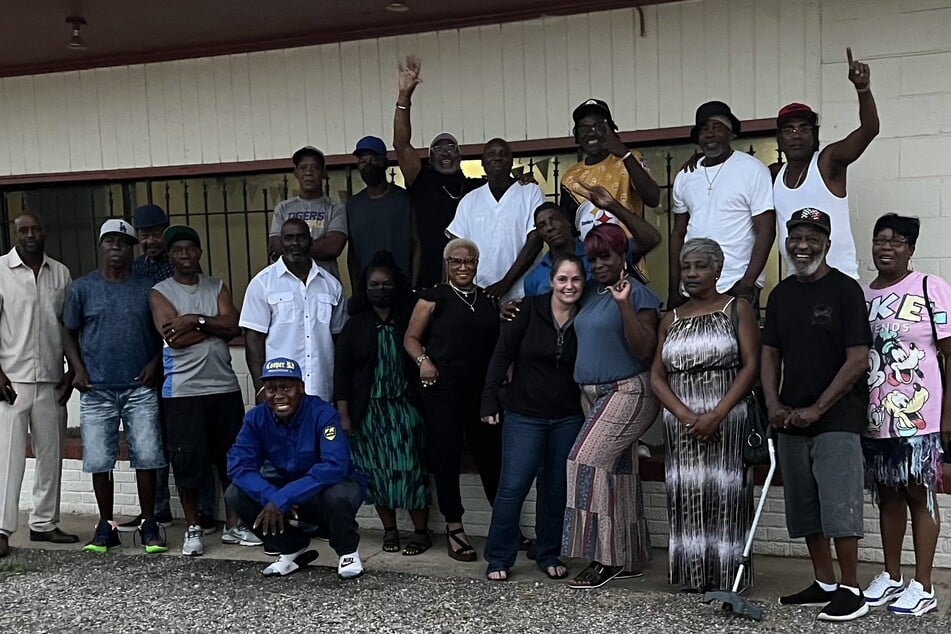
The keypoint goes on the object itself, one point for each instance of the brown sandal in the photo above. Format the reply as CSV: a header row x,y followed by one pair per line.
x,y
391,539
463,551
420,543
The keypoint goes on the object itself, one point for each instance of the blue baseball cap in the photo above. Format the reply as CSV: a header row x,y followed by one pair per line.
x,y
149,216
370,144
281,368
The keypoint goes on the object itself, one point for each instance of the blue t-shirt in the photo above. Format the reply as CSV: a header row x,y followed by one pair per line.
x,y
117,338
603,355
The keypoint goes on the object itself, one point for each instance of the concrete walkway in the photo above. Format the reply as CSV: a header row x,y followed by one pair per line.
x,y
427,593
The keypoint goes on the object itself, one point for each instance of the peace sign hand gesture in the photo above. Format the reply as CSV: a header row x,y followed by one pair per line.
x,y
408,77
858,72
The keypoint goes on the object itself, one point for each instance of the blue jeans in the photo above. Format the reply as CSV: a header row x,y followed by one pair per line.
x,y
100,412
530,444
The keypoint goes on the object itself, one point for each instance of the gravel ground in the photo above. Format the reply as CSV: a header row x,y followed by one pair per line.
x,y
70,591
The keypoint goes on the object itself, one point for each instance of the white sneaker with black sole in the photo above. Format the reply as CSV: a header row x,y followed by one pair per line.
x,y
883,589
914,601
193,546
844,606
350,566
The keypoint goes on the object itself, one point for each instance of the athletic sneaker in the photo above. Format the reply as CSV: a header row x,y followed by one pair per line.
x,y
844,606
133,525
350,566
814,595
106,538
883,589
193,546
150,537
914,601
241,535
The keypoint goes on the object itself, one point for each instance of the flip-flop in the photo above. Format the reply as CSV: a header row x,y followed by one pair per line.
x,y
594,576
504,577
556,576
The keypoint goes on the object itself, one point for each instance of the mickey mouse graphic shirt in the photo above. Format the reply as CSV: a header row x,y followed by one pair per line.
x,y
905,388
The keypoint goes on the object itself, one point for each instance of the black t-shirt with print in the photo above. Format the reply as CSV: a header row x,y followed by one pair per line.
x,y
812,324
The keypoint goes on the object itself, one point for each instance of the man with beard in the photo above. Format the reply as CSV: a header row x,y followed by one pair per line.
x,y
817,338
436,188
326,219
33,387
499,218
379,218
811,178
293,308
728,198
607,163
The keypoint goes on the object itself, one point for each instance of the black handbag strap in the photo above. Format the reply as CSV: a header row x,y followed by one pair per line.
x,y
934,329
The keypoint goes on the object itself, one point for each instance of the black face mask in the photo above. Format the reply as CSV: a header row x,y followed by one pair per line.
x,y
381,297
373,175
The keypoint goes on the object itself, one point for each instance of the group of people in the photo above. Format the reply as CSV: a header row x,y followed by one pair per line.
x,y
549,367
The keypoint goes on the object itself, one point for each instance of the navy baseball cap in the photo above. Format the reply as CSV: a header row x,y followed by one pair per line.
x,y
370,144
149,216
812,217
281,368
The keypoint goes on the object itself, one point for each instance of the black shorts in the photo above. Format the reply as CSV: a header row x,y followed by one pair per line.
x,y
200,431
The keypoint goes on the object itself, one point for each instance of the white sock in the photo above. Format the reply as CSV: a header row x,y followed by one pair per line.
x,y
284,565
854,591
828,587
350,565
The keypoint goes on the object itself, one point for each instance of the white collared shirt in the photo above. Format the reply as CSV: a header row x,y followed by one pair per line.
x,y
31,314
298,319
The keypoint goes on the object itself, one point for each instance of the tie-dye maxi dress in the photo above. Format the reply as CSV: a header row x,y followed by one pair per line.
x,y
709,496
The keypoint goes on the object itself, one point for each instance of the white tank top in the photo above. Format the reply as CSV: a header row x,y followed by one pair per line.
x,y
814,193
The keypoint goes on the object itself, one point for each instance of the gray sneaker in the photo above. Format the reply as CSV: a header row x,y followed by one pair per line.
x,y
239,534
193,546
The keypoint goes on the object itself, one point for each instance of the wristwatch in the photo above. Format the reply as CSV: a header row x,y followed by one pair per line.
x,y
201,322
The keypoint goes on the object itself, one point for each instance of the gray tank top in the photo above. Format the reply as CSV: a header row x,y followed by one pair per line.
x,y
205,367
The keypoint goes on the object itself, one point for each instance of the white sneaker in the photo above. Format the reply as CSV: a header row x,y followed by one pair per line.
x,y
193,546
914,601
883,589
239,534
350,566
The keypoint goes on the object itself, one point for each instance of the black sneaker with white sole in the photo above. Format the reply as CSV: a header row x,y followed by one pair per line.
x,y
844,606
814,595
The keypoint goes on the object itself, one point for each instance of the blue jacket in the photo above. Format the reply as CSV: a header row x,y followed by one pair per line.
x,y
309,453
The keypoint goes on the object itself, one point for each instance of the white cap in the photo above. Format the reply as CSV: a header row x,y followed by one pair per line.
x,y
117,225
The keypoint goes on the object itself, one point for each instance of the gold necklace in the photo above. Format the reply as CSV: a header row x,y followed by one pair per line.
x,y
464,296
802,175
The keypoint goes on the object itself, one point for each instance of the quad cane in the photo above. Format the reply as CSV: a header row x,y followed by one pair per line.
x,y
732,601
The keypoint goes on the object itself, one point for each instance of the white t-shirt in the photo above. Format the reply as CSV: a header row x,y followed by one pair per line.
x,y
499,228
722,201
298,319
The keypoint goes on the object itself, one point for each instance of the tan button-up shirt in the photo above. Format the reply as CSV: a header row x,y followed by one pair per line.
x,y
31,312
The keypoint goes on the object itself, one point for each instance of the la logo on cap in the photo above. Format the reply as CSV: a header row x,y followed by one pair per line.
x,y
122,227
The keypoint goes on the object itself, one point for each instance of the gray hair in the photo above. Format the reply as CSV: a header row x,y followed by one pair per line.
x,y
460,243
705,248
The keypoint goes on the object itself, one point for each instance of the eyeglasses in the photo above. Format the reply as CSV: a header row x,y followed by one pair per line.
x,y
460,262
789,130
894,241
444,148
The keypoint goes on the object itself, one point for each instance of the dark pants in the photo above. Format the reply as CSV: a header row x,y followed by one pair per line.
x,y
334,508
530,444
452,423
206,492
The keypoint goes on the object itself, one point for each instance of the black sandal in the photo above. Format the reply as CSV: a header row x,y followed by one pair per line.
x,y
391,539
463,552
420,543
594,576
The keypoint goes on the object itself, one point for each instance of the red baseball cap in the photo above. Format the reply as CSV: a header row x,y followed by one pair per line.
x,y
799,110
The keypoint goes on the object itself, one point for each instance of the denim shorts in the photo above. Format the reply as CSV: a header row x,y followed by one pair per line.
x,y
822,482
99,414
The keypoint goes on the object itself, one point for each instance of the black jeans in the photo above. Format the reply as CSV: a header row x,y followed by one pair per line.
x,y
334,508
451,410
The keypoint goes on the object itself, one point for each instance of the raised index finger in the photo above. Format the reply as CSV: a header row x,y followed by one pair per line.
x,y
848,54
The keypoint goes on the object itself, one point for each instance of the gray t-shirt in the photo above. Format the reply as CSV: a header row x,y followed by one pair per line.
x,y
378,224
322,215
204,367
